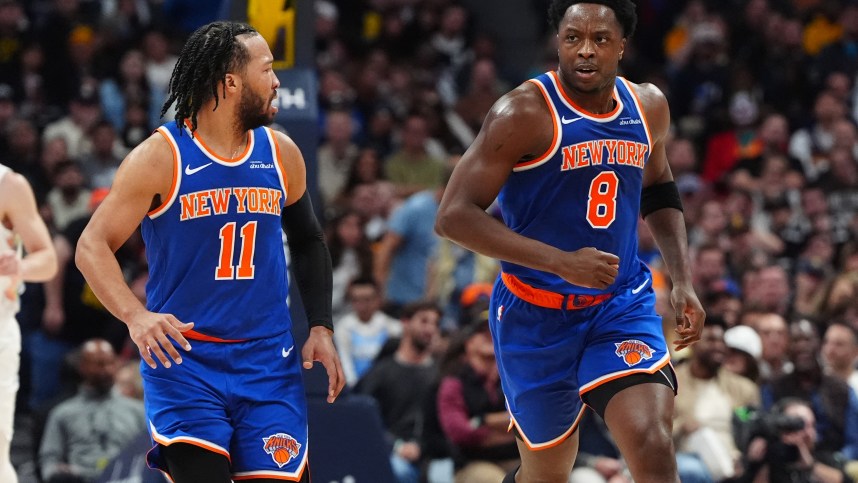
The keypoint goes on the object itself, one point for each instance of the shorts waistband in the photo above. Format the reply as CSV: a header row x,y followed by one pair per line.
x,y
548,299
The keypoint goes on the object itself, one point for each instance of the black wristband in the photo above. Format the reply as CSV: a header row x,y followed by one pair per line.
x,y
311,261
658,196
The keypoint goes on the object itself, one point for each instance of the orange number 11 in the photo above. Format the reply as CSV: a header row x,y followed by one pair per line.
x,y
245,269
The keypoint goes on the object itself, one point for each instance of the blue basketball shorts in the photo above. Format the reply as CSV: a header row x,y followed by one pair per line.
x,y
244,400
549,357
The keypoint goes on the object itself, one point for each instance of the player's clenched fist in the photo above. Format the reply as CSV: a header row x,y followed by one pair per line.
x,y
588,267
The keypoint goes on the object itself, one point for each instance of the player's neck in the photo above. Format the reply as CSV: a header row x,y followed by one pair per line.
x,y
598,102
218,130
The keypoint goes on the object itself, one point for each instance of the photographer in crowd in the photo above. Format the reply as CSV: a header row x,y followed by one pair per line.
x,y
792,456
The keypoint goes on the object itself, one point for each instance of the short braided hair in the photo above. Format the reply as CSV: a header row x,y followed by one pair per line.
x,y
209,54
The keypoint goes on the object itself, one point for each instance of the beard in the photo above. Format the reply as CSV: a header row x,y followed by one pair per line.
x,y
253,111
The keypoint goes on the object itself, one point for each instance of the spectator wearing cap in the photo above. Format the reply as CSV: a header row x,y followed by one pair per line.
x,y
710,393
840,353
744,351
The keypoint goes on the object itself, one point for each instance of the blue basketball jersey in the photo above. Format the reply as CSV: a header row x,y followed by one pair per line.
x,y
215,246
585,190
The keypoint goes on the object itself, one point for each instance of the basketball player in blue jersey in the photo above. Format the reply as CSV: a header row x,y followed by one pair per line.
x,y
213,192
574,157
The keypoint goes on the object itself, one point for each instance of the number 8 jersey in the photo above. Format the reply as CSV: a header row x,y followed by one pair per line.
x,y
215,246
585,190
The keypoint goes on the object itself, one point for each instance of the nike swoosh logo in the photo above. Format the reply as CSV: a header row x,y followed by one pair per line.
x,y
189,171
570,121
286,353
636,290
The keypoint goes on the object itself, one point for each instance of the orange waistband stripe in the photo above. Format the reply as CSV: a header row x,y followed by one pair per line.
x,y
194,335
548,299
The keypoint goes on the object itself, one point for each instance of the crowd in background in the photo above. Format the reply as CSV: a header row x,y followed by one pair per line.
x,y
764,149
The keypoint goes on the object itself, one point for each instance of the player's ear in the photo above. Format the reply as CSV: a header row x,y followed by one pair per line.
x,y
622,47
231,83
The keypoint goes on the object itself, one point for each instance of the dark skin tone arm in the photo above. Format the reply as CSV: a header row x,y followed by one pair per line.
x,y
478,178
667,224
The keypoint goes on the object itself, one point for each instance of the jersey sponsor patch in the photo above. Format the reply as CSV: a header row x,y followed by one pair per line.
x,y
633,351
282,448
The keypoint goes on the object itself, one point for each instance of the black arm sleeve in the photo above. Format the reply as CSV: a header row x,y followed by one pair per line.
x,y
658,196
311,261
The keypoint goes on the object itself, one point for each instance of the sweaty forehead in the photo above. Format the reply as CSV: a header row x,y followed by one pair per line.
x,y
590,16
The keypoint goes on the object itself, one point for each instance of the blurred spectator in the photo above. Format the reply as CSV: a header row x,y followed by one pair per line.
x,y
129,383
402,260
724,302
412,168
774,334
69,199
100,166
484,89
361,333
336,155
840,353
84,112
794,455
744,350
351,256
834,404
771,290
810,144
704,408
131,86
773,139
85,432
472,409
400,384
841,55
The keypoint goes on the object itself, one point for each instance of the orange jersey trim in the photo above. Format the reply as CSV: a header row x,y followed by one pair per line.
x,y
639,105
548,444
194,335
274,475
598,382
548,299
278,157
168,198
572,103
553,147
211,153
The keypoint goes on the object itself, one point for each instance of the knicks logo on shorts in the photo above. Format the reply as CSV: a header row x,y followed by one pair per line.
x,y
282,448
633,351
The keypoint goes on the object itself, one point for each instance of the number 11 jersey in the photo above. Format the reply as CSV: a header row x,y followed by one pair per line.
x,y
215,246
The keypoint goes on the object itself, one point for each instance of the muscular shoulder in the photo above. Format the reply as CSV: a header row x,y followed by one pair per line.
x,y
149,168
521,117
655,107
522,104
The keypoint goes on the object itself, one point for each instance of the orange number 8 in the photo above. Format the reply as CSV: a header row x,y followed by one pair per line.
x,y
602,200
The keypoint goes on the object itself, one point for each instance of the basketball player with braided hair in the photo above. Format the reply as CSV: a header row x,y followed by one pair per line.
x,y
213,192
575,157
